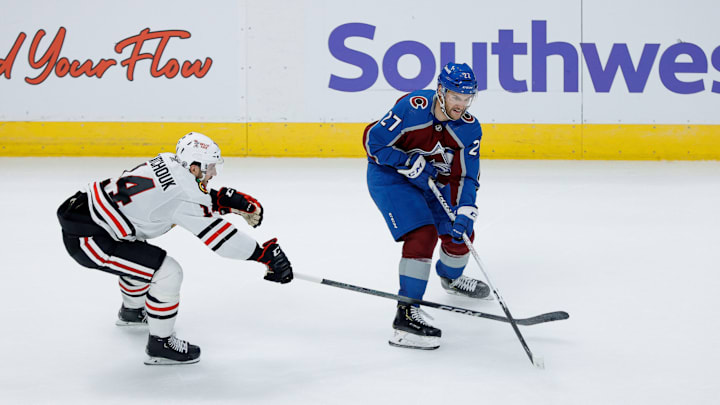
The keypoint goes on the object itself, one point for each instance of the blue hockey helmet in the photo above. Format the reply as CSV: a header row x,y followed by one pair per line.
x,y
458,77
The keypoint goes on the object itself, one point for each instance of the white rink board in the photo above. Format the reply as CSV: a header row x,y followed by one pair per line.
x,y
93,29
665,23
272,61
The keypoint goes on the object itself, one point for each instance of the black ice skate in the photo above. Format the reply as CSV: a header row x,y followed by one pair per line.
x,y
170,350
131,317
412,331
466,287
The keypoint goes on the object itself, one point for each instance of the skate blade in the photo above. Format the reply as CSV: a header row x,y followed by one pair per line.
x,y
410,341
161,361
131,324
411,347
488,297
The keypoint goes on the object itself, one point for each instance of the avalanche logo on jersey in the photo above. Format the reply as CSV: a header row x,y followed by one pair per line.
x,y
467,117
419,102
445,154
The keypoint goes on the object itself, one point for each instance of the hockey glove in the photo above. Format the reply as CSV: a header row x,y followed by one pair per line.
x,y
418,171
270,254
464,219
228,200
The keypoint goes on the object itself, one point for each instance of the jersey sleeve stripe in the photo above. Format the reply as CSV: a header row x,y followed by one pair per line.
x,y
216,234
209,228
463,169
223,240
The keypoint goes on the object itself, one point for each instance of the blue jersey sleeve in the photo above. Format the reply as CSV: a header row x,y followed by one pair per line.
x,y
470,164
385,133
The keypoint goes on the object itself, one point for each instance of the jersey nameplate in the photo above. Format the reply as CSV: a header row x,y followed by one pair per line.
x,y
162,172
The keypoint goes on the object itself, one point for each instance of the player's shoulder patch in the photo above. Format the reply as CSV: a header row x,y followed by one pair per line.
x,y
467,127
419,102
468,118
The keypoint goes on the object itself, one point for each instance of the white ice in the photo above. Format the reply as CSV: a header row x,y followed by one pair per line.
x,y
630,249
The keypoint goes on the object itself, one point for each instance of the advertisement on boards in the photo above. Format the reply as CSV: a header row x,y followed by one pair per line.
x,y
127,61
286,78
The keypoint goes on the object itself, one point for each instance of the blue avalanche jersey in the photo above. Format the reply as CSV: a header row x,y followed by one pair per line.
x,y
410,127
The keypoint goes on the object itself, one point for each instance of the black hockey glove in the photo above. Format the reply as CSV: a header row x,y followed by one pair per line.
x,y
228,200
270,254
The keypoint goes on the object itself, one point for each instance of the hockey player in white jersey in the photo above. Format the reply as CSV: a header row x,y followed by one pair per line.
x,y
106,227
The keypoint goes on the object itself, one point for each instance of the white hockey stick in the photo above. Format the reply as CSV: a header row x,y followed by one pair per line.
x,y
537,361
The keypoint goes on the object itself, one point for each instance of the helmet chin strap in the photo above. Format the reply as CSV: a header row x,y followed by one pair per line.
x,y
441,100
204,178
204,174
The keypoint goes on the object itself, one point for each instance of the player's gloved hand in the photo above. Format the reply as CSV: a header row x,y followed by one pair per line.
x,y
228,200
465,217
279,268
418,171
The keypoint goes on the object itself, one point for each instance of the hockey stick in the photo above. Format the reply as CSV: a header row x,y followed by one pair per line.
x,y
542,318
537,361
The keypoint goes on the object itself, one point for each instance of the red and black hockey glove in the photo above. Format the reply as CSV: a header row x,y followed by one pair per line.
x,y
228,200
279,268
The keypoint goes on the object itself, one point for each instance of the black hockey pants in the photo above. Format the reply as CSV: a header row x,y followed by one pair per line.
x,y
92,247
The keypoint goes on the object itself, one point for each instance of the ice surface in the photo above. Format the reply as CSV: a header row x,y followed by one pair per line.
x,y
629,249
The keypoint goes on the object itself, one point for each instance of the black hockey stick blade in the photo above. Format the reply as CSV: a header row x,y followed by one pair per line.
x,y
534,320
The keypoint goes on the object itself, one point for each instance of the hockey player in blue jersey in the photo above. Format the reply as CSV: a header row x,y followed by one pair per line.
x,y
428,134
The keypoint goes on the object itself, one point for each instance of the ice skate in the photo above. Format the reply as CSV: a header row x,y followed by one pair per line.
x,y
411,330
466,287
131,317
170,350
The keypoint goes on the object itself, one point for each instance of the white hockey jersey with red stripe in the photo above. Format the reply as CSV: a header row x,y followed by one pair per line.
x,y
149,200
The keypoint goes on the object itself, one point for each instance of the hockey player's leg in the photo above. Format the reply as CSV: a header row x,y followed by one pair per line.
x,y
450,266
161,304
410,329
141,261
409,219
90,246
132,311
